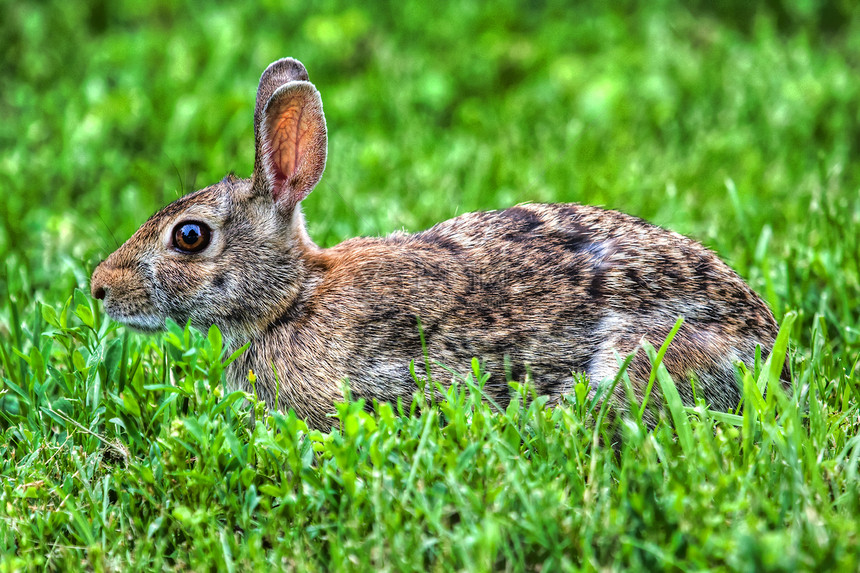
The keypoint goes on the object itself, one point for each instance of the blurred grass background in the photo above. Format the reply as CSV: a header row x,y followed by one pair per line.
x,y
735,124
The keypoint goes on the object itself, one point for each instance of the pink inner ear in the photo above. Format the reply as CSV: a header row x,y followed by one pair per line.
x,y
289,134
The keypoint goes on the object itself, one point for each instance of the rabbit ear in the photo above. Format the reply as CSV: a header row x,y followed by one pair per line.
x,y
290,134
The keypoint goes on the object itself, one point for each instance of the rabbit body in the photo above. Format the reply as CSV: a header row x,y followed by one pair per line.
x,y
537,291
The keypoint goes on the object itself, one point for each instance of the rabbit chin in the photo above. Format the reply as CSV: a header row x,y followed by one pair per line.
x,y
145,323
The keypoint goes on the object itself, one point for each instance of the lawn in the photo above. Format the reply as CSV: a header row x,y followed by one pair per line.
x,y
736,125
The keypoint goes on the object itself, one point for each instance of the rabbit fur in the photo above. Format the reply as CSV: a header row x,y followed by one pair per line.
x,y
537,291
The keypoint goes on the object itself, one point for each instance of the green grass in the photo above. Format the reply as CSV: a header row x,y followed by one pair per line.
x,y
735,125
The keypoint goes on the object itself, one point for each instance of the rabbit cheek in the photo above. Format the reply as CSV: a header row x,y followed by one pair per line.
x,y
180,287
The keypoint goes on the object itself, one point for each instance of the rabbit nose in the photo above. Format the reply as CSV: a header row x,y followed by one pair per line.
x,y
98,284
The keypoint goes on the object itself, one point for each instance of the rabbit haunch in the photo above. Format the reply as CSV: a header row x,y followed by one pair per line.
x,y
537,291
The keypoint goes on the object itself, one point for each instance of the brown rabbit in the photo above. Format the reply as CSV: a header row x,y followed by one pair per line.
x,y
539,290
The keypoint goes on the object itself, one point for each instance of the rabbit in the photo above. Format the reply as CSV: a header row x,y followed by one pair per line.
x,y
544,292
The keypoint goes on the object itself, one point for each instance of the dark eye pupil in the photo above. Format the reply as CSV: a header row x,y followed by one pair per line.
x,y
190,234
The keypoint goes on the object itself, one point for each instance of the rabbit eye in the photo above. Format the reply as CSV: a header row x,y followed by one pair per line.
x,y
191,236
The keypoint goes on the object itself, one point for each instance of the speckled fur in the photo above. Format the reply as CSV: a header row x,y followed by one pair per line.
x,y
543,290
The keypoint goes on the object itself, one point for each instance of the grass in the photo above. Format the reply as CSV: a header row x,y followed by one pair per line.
x,y
735,125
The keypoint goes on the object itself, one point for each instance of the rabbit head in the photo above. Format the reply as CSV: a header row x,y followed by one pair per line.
x,y
235,253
